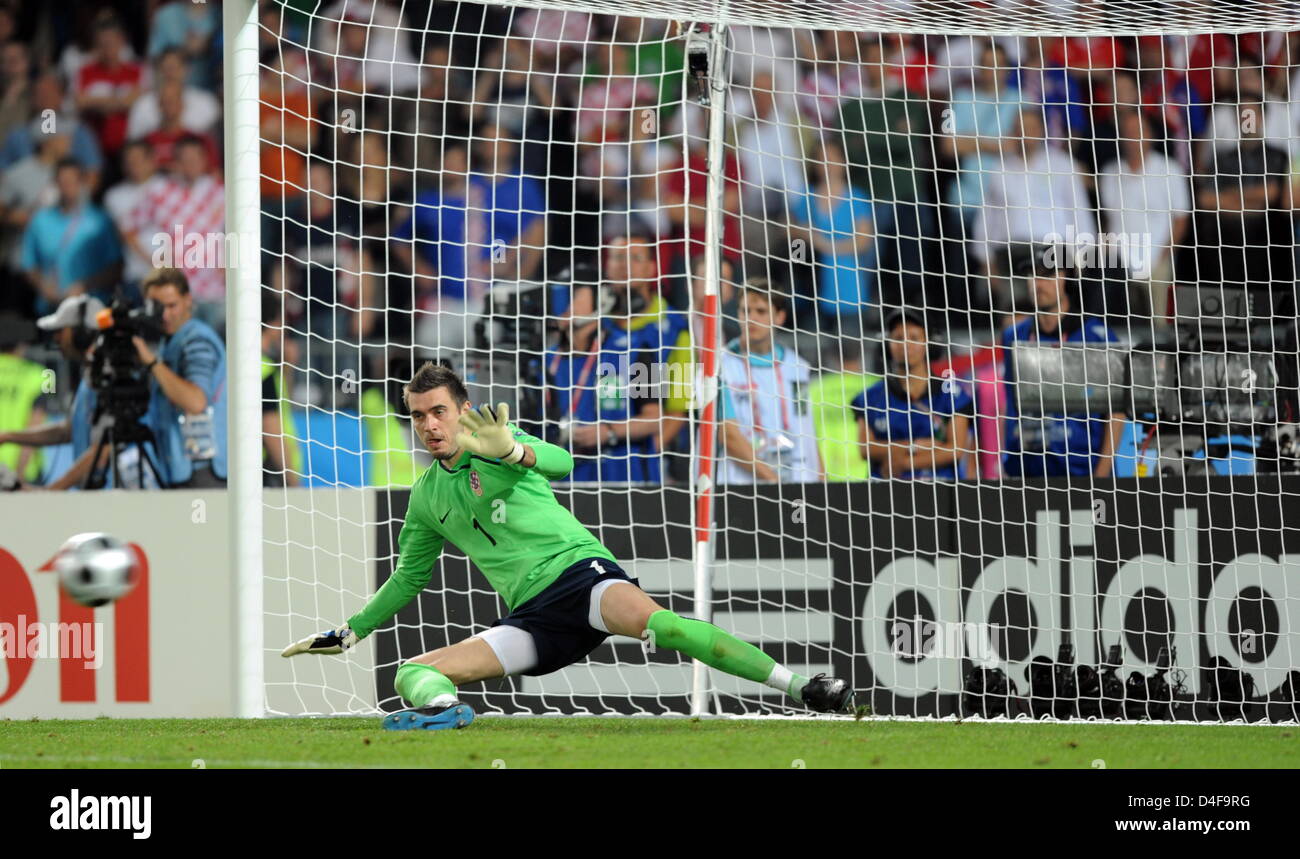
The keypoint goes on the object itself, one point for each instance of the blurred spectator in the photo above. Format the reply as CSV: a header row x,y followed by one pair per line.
x,y
378,312
24,188
276,29
200,111
906,63
139,179
1103,146
15,86
8,23
1210,61
190,28
23,396
1253,113
107,86
983,112
658,58
1145,201
513,229
834,75
912,424
767,430
81,49
508,91
286,114
47,117
171,129
182,219
882,134
618,169
436,112
616,108
832,394
1167,96
641,162
70,247
187,400
887,138
1044,82
489,224
1242,224
311,256
955,59
1038,195
1095,56
771,158
390,459
1056,445
773,50
688,217
432,246
553,30
838,218
368,46
280,451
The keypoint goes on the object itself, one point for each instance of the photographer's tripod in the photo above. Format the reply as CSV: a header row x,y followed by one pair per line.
x,y
109,436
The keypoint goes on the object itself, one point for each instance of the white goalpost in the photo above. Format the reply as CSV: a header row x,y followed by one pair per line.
x,y
243,332
946,347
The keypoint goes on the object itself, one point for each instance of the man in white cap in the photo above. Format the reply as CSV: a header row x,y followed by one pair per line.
x,y
72,324
74,327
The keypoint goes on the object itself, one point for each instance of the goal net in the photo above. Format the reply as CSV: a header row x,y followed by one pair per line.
x,y
946,347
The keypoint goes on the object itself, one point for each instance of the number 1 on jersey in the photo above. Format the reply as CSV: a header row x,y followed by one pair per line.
x,y
484,532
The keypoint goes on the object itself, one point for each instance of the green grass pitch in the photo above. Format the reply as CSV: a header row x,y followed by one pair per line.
x,y
677,743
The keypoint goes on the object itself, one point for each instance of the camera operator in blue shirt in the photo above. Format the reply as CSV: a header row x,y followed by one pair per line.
x,y
1056,445
188,383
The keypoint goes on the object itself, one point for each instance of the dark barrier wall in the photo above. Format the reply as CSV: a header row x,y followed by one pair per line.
x,y
929,578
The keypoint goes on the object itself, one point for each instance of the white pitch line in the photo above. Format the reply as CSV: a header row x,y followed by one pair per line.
x,y
210,763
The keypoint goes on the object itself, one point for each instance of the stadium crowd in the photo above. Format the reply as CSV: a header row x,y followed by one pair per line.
x,y
887,200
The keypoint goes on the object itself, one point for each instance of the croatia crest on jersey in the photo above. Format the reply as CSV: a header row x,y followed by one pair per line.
x,y
476,484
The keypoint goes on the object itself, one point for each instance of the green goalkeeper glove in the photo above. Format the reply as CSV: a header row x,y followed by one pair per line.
x,y
486,433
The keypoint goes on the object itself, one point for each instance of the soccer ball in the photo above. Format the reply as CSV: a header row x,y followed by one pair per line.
x,y
96,569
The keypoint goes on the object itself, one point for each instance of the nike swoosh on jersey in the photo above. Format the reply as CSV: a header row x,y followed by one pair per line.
x,y
444,516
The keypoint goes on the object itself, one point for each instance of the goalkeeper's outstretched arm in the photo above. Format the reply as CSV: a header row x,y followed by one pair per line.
x,y
487,432
419,547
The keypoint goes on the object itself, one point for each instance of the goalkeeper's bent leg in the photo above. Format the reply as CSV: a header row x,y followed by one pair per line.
x,y
424,686
720,649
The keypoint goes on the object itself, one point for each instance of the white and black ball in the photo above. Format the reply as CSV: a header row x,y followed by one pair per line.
x,y
95,569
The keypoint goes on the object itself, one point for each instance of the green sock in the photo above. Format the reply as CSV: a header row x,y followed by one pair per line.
x,y
424,685
720,649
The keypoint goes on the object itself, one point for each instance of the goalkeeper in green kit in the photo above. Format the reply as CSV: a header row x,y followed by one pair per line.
x,y
565,592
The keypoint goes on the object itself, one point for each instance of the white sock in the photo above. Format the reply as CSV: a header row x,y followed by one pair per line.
x,y
781,678
444,700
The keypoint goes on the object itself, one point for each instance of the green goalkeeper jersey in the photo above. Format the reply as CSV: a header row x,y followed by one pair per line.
x,y
504,517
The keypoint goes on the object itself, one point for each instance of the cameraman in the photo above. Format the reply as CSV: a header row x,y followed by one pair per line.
x,y
1055,444
72,325
603,384
187,405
